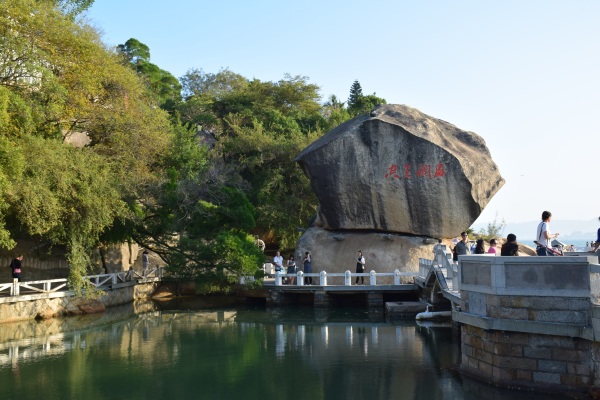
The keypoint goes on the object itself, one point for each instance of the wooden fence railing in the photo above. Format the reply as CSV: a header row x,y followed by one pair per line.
x,y
17,288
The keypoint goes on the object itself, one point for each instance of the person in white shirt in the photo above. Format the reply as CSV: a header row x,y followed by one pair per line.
x,y
278,261
544,236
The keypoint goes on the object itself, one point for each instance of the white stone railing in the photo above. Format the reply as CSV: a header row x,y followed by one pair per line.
x,y
55,285
442,259
347,275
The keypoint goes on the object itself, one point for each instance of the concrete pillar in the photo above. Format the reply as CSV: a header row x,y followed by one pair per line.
x,y
375,302
276,298
321,299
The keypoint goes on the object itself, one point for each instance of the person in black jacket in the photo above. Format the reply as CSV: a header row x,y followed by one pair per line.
x,y
16,266
511,247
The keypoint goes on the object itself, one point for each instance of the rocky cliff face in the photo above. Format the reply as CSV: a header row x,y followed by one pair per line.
x,y
389,181
399,170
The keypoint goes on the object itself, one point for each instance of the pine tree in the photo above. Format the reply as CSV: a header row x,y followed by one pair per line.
x,y
355,95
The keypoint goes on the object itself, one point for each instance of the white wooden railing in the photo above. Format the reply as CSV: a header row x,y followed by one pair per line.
x,y
55,285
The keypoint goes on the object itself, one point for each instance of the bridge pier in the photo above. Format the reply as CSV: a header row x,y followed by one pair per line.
x,y
275,298
321,300
375,302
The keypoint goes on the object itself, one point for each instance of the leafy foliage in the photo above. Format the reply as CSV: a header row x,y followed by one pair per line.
x,y
192,181
198,218
360,104
162,83
64,194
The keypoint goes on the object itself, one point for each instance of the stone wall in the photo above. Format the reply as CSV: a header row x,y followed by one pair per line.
x,y
44,307
531,322
524,360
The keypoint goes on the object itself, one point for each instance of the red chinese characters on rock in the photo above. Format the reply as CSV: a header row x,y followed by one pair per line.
x,y
393,172
422,171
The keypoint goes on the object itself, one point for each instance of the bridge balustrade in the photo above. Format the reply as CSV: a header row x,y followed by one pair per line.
x,y
47,286
347,275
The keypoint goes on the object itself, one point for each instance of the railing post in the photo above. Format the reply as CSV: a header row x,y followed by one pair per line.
x,y
130,274
323,278
47,286
159,272
300,278
454,269
114,278
396,276
348,278
278,278
372,278
16,287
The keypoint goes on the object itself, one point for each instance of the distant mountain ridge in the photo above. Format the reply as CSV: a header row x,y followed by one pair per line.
x,y
569,229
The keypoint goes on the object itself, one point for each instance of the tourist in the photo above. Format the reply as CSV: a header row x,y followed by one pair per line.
x,y
437,246
278,262
511,247
479,247
291,269
16,265
360,267
595,247
461,247
307,263
493,244
145,262
544,236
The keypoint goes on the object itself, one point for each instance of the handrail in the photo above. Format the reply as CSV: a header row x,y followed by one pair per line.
x,y
347,275
55,285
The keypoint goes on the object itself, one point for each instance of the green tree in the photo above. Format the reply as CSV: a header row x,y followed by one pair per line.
x,y
199,218
359,104
162,83
355,94
63,194
71,8
259,128
196,82
335,112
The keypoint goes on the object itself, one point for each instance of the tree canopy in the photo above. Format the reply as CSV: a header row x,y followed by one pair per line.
x,y
192,177
360,104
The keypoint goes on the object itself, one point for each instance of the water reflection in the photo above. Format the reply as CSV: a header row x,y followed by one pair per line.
x,y
233,354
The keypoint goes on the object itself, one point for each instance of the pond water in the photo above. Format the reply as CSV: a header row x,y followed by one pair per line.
x,y
235,353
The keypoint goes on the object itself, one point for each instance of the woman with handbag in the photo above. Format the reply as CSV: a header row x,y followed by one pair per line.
x,y
16,265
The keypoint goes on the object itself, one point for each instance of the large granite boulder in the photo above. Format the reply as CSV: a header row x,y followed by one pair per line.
x,y
399,170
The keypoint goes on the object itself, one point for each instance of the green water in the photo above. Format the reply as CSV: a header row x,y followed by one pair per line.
x,y
234,354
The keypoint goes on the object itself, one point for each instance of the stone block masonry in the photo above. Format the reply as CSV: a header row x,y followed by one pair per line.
x,y
44,307
518,360
531,322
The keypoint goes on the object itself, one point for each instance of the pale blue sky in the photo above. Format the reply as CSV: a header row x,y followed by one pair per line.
x,y
524,75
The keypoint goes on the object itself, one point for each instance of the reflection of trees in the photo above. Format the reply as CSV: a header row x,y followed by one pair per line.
x,y
217,354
